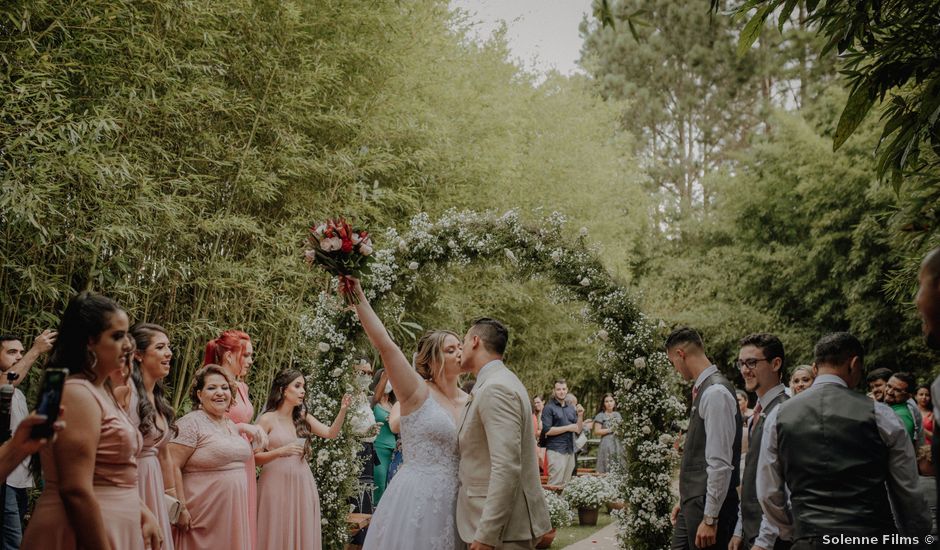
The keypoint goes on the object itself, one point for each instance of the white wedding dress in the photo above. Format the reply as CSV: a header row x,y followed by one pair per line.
x,y
418,509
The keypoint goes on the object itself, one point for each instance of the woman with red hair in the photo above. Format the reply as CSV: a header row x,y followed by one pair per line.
x,y
233,351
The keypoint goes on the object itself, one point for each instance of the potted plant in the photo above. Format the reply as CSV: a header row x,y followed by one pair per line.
x,y
587,494
560,514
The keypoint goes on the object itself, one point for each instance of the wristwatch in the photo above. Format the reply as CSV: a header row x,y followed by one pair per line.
x,y
710,521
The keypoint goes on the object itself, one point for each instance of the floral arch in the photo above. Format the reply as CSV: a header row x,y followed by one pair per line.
x,y
630,353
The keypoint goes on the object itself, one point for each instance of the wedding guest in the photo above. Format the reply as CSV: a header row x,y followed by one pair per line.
x,y
877,381
606,420
537,407
741,396
233,351
15,363
896,395
288,501
90,498
709,471
801,379
925,406
153,415
831,458
210,454
580,438
761,363
382,402
561,423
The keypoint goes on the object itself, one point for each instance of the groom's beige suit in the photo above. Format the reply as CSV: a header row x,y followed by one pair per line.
x,y
500,501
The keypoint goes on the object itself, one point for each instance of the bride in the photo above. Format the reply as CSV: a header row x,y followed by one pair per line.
x,y
418,508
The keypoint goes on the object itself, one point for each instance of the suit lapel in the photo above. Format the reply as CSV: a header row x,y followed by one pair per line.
x,y
480,383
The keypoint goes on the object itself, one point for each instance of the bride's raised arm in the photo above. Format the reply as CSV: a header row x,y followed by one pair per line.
x,y
409,387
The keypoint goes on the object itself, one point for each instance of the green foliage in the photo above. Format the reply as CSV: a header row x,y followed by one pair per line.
x,y
889,49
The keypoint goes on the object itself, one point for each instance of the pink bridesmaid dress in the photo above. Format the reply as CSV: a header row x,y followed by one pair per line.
x,y
214,484
241,412
115,485
149,474
288,502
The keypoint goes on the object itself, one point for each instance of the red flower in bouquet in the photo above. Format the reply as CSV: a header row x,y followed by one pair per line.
x,y
340,250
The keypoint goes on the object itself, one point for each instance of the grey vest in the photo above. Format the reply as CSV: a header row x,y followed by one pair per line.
x,y
693,476
835,463
751,512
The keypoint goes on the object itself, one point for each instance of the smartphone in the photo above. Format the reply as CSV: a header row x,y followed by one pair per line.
x,y
50,397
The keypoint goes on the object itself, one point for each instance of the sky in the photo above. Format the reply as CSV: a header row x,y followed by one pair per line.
x,y
542,34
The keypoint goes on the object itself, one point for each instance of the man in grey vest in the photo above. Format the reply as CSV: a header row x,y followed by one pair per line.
x,y
708,475
839,454
760,361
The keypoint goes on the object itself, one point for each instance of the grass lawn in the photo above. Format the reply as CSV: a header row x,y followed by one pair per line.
x,y
571,535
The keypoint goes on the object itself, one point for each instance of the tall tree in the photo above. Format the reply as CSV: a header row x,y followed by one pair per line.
x,y
690,99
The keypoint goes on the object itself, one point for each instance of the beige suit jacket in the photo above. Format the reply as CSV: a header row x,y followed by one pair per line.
x,y
500,496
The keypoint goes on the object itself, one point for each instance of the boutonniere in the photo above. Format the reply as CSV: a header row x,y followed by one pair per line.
x,y
469,400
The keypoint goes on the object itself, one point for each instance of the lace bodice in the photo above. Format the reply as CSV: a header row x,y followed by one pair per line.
x,y
429,438
216,445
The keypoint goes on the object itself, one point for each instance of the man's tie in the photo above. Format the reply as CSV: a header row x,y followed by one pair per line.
x,y
754,417
694,393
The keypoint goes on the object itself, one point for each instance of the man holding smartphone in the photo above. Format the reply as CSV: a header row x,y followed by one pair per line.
x,y
15,363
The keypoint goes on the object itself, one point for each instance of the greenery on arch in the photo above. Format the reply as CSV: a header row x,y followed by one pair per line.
x,y
548,249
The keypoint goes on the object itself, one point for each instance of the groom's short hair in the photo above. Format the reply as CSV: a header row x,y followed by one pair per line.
x,y
492,333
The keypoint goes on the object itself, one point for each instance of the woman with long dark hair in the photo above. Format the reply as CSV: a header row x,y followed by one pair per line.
x,y
288,502
605,426
90,498
151,412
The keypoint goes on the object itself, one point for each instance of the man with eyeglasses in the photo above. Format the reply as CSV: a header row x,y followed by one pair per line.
x,y
709,473
830,457
760,361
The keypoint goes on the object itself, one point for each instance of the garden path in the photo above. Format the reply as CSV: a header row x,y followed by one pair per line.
x,y
605,539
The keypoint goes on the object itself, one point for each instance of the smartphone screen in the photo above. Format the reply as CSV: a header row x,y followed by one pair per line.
x,y
50,397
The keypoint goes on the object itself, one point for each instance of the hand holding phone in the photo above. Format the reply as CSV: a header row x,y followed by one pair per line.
x,y
49,401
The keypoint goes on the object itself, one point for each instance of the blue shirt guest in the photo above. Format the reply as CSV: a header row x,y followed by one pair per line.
x,y
709,473
561,423
833,462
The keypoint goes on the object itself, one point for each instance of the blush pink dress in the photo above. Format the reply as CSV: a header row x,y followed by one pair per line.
x,y
149,474
114,479
214,484
242,412
288,502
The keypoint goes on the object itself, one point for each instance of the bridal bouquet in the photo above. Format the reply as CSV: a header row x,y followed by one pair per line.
x,y
341,250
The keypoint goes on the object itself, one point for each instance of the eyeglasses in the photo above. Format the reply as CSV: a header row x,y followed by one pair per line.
x,y
748,364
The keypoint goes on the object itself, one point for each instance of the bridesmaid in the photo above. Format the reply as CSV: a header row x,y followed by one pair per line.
x,y
154,417
288,502
209,455
90,498
233,351
383,399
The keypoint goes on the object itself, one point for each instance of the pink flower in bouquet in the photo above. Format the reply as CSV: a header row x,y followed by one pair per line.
x,y
340,250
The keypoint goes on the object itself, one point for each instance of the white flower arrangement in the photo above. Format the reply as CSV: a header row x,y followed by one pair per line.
x,y
588,492
630,356
559,511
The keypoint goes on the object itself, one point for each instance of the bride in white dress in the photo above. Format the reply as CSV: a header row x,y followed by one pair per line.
x,y
418,508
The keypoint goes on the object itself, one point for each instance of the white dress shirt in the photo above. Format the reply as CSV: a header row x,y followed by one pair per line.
x,y
717,408
774,496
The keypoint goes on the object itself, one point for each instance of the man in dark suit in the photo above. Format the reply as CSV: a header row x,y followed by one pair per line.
x,y
709,473
830,457
760,360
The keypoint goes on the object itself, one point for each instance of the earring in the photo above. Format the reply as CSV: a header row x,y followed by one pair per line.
x,y
94,359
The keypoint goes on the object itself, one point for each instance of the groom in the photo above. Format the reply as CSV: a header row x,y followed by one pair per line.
x,y
499,503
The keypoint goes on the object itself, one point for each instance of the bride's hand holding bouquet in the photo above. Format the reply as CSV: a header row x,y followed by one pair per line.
x,y
341,250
